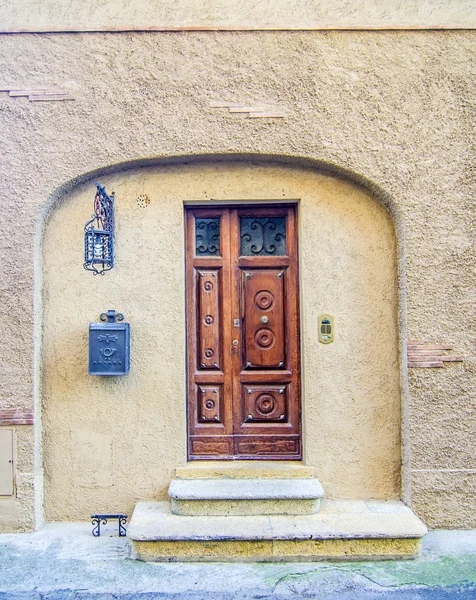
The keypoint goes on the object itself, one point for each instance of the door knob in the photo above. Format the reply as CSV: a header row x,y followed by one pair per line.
x,y
264,320
235,342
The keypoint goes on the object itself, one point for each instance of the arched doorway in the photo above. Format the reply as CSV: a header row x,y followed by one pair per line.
x,y
351,400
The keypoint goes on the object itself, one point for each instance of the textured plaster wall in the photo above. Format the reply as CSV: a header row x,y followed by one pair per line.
x,y
94,15
396,108
110,442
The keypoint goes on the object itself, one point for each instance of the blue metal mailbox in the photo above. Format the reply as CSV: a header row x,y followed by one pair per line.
x,y
109,345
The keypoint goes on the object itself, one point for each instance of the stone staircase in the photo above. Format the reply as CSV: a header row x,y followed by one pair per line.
x,y
267,512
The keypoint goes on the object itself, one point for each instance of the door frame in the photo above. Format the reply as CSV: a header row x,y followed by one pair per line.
x,y
292,324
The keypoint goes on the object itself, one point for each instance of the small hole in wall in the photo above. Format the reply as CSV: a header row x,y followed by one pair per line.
x,y
143,201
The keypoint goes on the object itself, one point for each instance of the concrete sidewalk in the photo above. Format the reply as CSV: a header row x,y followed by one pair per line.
x,y
64,561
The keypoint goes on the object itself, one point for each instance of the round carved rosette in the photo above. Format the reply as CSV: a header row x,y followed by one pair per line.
x,y
265,404
264,300
265,338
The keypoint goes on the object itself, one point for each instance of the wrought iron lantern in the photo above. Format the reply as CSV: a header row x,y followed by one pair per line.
x,y
99,234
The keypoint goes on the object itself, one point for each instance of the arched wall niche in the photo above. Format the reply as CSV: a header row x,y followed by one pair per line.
x,y
106,443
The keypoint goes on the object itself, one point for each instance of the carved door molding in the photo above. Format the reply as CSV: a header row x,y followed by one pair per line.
x,y
243,351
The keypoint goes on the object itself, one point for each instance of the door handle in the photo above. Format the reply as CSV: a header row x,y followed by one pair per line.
x,y
235,343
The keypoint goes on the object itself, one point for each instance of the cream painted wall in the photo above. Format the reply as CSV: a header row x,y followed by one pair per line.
x,y
109,442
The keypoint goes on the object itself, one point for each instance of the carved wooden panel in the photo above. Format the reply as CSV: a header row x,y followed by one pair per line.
x,y
211,446
255,446
209,404
209,326
264,322
264,403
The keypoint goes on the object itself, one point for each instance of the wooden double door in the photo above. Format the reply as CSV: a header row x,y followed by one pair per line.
x,y
243,333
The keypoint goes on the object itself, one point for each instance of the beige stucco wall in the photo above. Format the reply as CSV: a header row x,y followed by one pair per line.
x,y
97,15
393,108
110,442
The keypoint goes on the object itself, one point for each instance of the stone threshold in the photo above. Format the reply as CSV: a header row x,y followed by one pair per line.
x,y
245,489
342,530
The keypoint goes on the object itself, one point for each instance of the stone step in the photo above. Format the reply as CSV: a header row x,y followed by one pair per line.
x,y
198,497
343,529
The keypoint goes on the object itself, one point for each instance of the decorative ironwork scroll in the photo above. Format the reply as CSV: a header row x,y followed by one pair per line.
x,y
99,234
96,523
263,236
97,520
207,237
